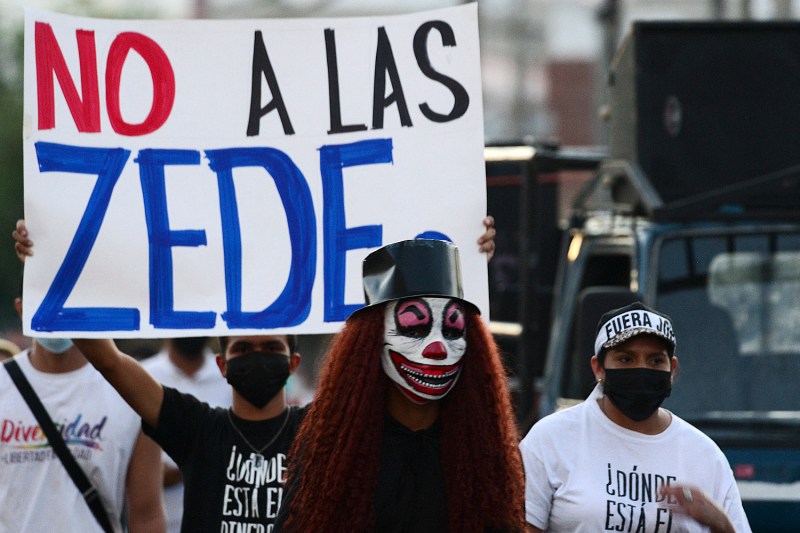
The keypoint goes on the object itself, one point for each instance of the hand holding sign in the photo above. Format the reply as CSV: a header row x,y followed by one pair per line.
x,y
23,246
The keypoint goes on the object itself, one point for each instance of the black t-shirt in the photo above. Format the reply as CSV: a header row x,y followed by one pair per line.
x,y
227,484
410,496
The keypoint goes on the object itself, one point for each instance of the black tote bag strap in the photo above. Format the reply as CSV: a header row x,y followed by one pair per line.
x,y
89,492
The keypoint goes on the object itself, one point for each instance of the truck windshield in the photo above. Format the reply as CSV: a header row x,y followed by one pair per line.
x,y
735,304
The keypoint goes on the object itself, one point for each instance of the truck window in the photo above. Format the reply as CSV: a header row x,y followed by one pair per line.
x,y
761,292
735,303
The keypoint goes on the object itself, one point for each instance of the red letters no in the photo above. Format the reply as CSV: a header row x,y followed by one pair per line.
x,y
162,76
49,62
85,109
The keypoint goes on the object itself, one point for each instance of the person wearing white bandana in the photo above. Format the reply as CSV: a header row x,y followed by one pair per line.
x,y
619,461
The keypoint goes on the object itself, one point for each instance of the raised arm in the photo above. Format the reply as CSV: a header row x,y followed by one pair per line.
x,y
136,386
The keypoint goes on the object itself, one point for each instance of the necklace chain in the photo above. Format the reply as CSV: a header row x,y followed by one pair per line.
x,y
267,445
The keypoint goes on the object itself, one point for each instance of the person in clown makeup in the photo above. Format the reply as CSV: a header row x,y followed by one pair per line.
x,y
412,427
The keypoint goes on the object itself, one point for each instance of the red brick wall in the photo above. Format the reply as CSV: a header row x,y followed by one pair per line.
x,y
571,102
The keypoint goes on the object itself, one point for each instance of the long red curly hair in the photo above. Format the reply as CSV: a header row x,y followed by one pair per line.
x,y
334,461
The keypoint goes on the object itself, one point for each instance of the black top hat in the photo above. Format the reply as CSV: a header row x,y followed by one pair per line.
x,y
419,267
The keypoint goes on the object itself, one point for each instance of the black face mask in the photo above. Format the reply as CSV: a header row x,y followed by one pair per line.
x,y
258,376
637,392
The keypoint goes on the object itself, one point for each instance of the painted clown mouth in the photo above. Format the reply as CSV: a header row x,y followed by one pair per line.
x,y
434,380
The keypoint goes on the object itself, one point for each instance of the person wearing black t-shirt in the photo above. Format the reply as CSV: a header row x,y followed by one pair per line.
x,y
233,461
411,430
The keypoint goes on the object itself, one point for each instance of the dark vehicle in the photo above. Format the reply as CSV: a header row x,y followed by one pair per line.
x,y
695,212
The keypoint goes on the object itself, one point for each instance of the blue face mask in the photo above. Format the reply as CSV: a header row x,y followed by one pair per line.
x,y
55,345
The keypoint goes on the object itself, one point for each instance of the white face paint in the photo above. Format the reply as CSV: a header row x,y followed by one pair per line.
x,y
424,343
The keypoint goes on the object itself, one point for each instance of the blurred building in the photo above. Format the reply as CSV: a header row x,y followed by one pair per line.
x,y
543,61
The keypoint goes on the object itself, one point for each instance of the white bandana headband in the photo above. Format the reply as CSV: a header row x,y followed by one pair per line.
x,y
625,325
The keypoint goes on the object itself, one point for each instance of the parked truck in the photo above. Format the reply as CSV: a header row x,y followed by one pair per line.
x,y
695,210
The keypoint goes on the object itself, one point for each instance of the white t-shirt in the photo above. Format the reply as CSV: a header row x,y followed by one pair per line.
x,y
37,494
207,385
584,473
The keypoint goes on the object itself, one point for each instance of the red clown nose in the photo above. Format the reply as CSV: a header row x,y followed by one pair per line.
x,y
435,350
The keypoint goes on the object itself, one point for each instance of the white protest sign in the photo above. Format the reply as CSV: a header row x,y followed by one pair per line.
x,y
200,177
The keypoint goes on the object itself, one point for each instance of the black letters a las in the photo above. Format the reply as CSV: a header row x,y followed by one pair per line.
x,y
263,67
385,65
